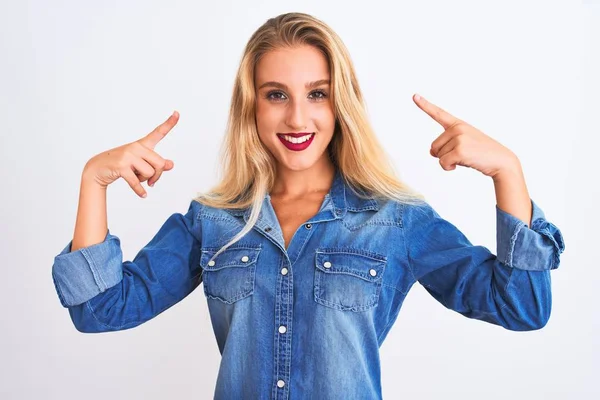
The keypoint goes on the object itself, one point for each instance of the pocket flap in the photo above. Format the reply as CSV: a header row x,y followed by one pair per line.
x,y
369,266
239,256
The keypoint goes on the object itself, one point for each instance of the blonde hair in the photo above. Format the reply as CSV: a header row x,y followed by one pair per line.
x,y
249,168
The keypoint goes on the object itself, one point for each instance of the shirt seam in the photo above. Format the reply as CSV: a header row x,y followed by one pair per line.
x,y
405,238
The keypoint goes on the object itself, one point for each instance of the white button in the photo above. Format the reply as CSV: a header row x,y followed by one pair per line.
x,y
373,272
284,271
245,259
282,329
211,262
327,264
280,383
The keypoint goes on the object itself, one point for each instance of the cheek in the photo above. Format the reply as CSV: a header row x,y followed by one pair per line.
x,y
267,116
324,118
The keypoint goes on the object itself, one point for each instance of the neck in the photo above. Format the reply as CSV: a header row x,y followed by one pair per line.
x,y
290,184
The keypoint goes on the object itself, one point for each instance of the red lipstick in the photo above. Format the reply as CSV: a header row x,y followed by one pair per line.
x,y
296,146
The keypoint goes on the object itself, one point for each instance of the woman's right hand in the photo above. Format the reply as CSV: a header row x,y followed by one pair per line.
x,y
136,162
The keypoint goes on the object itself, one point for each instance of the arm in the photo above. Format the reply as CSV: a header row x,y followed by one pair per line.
x,y
91,223
512,195
511,289
103,293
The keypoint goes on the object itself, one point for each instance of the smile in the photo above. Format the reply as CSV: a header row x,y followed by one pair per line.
x,y
296,144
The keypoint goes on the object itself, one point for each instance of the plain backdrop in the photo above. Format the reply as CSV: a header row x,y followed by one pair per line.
x,y
81,77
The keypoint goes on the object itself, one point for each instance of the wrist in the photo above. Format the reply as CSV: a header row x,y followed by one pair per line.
x,y
88,179
512,170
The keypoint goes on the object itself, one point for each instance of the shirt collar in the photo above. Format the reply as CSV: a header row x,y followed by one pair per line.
x,y
340,199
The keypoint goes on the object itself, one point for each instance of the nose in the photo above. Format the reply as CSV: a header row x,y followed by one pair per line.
x,y
296,115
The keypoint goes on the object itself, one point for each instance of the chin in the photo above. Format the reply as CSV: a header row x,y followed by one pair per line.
x,y
295,161
298,165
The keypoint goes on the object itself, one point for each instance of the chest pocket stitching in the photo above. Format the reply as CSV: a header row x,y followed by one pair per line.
x,y
348,284
379,222
230,279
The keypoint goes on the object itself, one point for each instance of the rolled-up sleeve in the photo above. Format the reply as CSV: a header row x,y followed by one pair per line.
x,y
512,289
104,293
84,273
535,249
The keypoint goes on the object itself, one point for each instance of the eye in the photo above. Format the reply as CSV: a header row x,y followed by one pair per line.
x,y
276,93
278,96
318,94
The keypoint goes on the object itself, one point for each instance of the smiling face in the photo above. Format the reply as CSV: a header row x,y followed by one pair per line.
x,y
293,99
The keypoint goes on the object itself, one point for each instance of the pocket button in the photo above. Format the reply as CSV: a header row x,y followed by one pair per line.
x,y
348,279
231,276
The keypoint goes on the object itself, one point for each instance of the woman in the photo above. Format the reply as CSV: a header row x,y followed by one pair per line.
x,y
309,245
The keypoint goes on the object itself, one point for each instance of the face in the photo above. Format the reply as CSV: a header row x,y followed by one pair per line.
x,y
293,98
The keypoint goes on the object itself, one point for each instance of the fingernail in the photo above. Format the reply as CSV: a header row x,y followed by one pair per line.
x,y
152,184
144,195
417,97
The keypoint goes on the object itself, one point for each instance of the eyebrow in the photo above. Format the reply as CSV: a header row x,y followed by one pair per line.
x,y
308,85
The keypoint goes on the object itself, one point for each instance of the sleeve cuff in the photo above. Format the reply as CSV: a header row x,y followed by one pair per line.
x,y
80,275
536,249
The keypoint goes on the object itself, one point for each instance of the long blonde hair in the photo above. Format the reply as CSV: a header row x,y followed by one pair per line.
x,y
249,168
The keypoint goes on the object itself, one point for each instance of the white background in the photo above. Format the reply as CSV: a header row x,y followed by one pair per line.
x,y
80,77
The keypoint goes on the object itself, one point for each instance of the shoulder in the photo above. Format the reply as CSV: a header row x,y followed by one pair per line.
x,y
195,208
409,214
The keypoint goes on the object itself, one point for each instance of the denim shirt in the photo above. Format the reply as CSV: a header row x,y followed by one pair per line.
x,y
308,321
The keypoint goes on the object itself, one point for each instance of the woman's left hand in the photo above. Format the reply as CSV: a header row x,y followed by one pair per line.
x,y
463,144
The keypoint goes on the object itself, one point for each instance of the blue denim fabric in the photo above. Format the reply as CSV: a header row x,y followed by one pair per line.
x,y
308,321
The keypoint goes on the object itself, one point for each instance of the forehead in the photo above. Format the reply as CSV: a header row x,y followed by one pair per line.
x,y
299,65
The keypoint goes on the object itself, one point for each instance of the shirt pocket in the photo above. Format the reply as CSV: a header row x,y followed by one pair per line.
x,y
348,279
230,276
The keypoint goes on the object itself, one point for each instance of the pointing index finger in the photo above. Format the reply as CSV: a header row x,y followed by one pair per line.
x,y
152,139
441,116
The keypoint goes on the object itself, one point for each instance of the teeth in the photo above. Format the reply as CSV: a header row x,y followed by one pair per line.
x,y
297,140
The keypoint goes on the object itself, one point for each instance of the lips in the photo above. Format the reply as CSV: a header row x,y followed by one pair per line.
x,y
296,146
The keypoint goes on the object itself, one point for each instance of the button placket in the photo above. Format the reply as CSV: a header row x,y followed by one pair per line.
x,y
284,305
